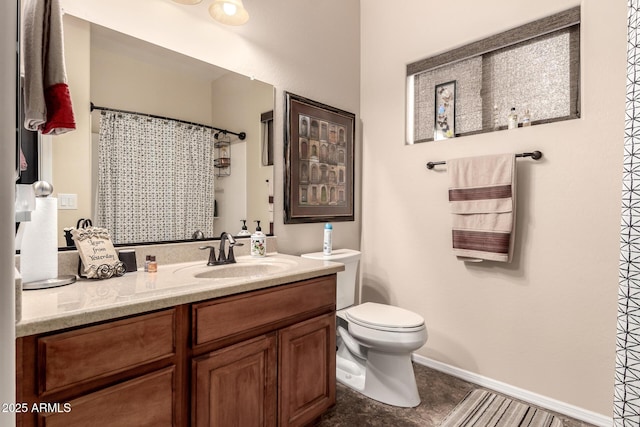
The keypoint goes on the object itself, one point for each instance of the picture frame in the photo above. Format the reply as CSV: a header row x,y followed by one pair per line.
x,y
319,162
444,115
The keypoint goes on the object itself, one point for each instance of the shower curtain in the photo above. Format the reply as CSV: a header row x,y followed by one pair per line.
x,y
155,178
627,377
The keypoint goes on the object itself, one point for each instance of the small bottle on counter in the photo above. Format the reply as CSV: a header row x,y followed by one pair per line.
x,y
526,118
512,119
153,265
326,244
146,262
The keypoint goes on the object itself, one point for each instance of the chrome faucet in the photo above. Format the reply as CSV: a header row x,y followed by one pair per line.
x,y
229,258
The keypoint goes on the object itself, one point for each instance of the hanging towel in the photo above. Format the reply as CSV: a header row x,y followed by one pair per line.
x,y
482,201
47,100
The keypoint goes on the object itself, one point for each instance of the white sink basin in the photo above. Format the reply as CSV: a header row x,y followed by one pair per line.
x,y
240,270
247,267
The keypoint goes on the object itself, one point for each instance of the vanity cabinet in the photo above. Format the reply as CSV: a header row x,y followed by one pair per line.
x,y
259,358
287,376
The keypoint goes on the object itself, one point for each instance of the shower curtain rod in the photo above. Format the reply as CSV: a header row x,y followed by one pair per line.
x,y
241,135
535,155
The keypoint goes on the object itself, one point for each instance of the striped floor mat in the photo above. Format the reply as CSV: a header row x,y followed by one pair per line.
x,y
482,408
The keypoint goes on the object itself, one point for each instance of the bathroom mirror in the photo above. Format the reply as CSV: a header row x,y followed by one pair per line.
x,y
114,70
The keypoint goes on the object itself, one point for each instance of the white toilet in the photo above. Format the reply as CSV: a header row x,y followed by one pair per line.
x,y
375,341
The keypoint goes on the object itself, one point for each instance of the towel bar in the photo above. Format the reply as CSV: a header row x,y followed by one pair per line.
x,y
535,155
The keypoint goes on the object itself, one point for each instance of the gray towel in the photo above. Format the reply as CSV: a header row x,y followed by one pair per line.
x,y
47,100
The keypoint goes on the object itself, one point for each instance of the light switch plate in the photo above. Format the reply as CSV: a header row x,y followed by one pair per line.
x,y
67,201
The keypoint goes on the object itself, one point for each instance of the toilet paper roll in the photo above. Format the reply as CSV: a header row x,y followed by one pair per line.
x,y
39,247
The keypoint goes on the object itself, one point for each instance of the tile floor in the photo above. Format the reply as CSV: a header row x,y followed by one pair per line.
x,y
440,393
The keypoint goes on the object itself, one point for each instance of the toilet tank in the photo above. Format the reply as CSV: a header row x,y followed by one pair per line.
x,y
346,286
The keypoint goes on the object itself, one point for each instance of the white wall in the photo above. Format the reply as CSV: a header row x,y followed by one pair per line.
x,y
8,14
547,322
306,47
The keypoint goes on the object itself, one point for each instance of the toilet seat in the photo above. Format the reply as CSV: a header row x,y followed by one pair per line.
x,y
384,317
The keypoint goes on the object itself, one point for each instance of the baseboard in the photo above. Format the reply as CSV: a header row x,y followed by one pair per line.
x,y
518,393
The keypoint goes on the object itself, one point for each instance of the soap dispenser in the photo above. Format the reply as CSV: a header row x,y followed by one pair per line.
x,y
244,231
258,242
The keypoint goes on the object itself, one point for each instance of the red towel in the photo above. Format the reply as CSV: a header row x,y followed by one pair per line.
x,y
59,110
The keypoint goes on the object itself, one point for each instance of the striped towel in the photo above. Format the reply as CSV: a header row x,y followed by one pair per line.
x,y
482,202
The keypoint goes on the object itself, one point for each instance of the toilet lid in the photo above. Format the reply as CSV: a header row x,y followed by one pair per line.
x,y
383,316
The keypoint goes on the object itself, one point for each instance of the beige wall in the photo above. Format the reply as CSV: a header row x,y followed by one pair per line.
x,y
545,323
135,84
306,47
74,177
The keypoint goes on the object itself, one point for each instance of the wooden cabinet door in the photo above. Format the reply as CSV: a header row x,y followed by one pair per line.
x,y
236,386
307,370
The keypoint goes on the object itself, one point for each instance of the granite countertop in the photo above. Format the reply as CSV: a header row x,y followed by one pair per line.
x,y
88,301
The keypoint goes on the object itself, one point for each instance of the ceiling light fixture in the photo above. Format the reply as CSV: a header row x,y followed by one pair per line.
x,y
187,1
230,12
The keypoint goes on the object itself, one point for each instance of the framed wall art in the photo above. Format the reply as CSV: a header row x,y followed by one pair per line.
x,y
445,111
319,156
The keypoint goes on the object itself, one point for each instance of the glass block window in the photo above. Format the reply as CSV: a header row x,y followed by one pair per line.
x,y
532,68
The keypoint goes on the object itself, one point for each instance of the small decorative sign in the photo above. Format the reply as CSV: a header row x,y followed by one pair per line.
x,y
97,253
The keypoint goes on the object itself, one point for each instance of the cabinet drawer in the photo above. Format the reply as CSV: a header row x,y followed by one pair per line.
x,y
263,310
145,401
82,355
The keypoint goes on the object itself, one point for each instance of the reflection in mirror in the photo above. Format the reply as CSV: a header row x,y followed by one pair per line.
x,y
117,71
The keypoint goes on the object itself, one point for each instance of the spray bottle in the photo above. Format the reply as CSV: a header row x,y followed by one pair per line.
x,y
326,244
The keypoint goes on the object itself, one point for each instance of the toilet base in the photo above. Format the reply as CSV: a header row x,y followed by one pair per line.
x,y
350,374
350,369
390,379
387,378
